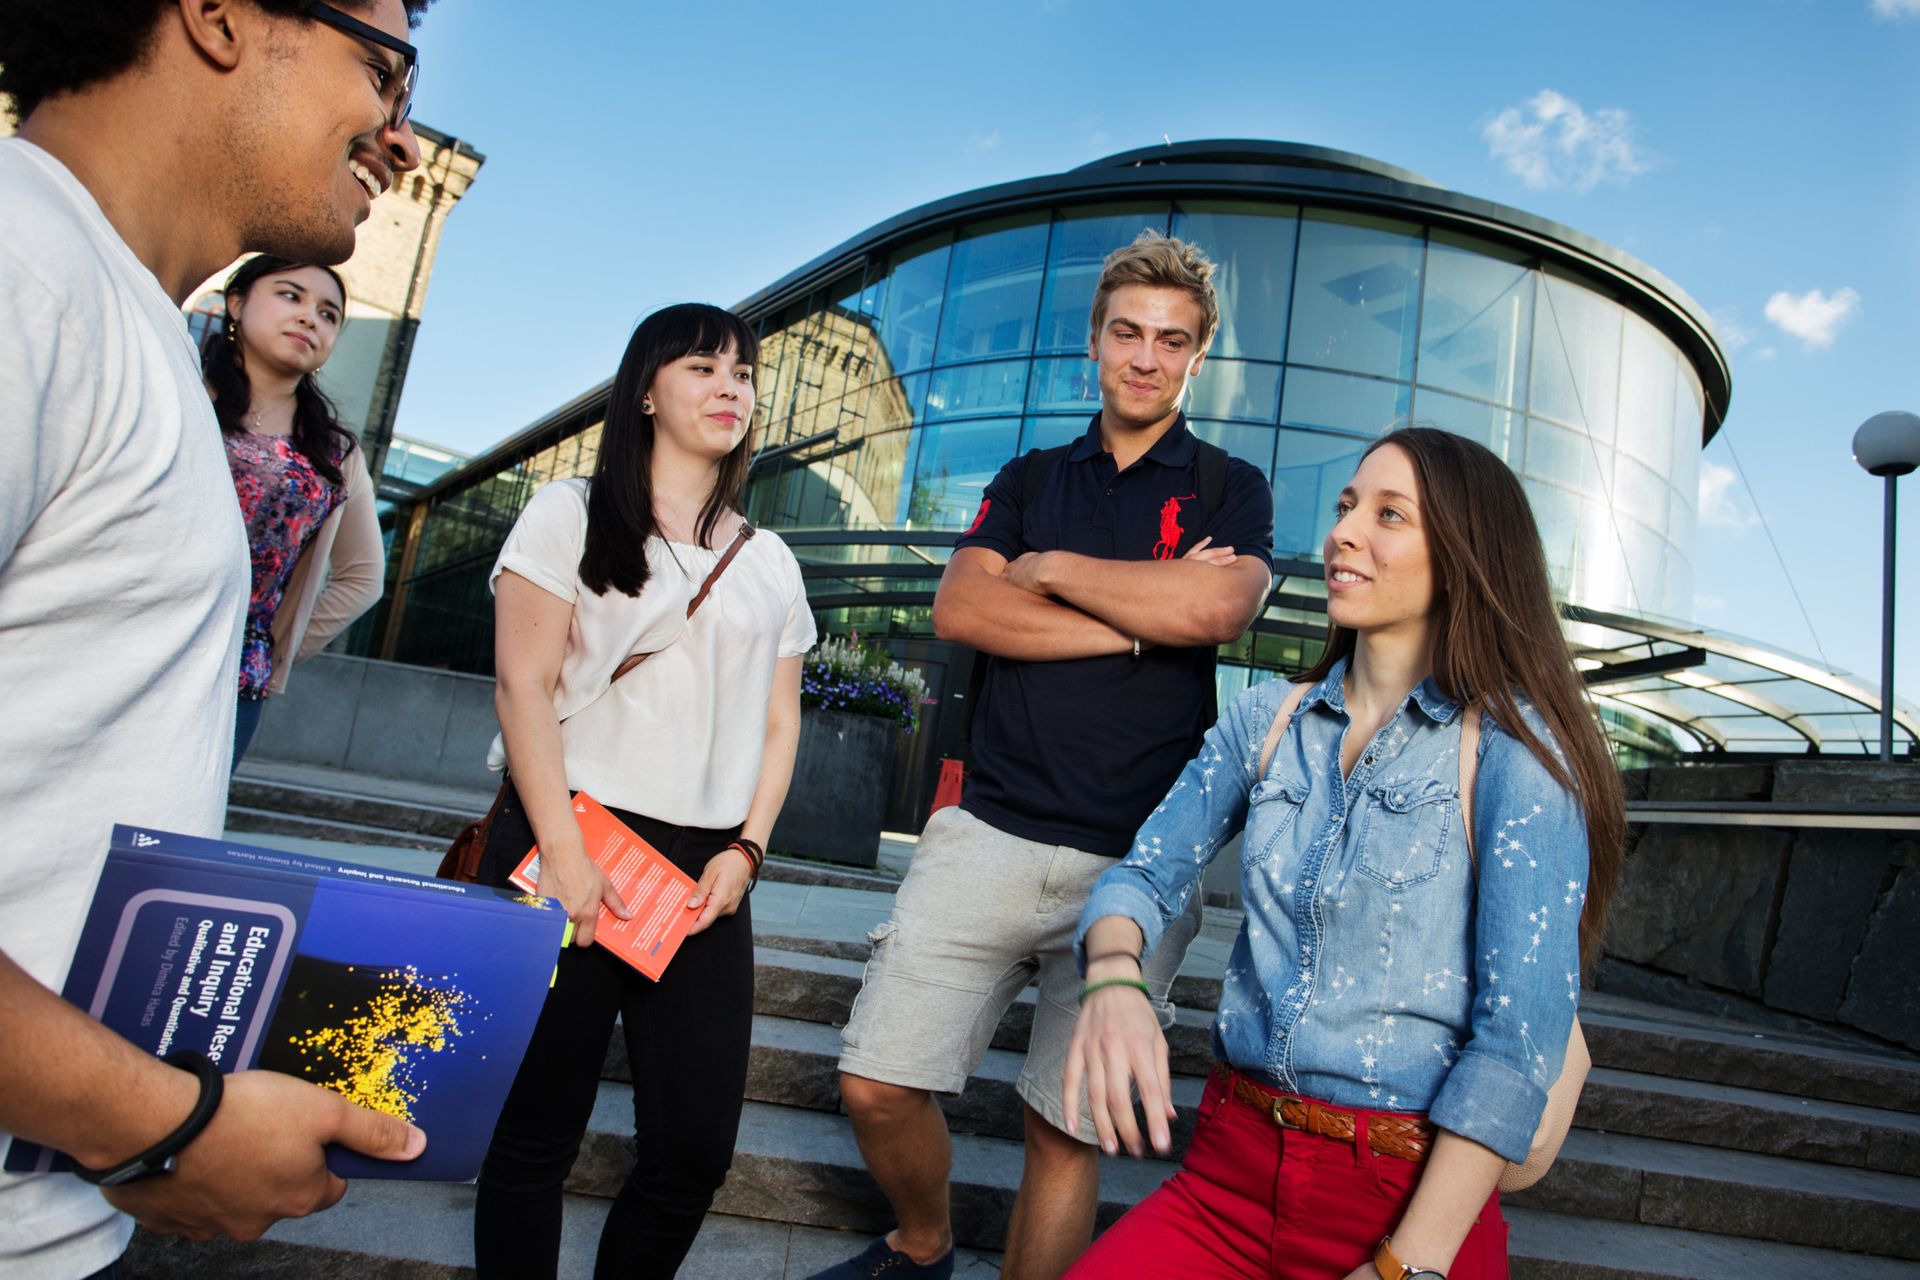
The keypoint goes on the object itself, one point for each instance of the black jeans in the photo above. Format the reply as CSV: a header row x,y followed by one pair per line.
x,y
687,1038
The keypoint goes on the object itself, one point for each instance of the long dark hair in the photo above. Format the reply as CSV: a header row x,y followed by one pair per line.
x,y
1497,638
317,432
620,500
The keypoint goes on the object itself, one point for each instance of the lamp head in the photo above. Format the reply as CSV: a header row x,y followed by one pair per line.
x,y
1888,444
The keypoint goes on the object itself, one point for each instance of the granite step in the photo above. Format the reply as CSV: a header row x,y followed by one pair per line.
x,y
1555,1246
349,807
269,823
1620,1178
1838,1133
423,1231
1633,1036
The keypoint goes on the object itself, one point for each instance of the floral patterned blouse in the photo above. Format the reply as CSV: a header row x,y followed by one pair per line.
x,y
284,501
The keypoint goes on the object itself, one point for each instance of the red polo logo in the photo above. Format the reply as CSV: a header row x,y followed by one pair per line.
x,y
985,505
1170,530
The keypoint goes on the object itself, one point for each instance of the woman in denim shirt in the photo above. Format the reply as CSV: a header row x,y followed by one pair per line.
x,y
1399,998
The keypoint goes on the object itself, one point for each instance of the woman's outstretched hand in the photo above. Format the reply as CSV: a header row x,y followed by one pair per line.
x,y
722,884
1117,1044
581,888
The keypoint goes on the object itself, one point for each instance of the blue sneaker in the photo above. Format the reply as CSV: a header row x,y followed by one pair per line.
x,y
887,1263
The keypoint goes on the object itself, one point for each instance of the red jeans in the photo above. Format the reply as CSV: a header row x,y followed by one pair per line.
x,y
1255,1200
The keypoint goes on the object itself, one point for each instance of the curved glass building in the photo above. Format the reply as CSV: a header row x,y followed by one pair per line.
x,y
901,369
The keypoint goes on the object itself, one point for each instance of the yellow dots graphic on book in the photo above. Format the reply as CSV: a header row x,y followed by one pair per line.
x,y
377,1054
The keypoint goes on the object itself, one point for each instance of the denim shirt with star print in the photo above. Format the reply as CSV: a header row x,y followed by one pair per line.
x,y
1375,968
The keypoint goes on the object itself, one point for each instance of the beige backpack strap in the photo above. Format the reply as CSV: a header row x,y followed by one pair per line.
x,y
1469,771
1281,719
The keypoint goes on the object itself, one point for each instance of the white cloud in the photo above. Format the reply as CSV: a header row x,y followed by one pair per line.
x,y
1812,317
984,141
1894,9
1733,334
1721,505
1551,141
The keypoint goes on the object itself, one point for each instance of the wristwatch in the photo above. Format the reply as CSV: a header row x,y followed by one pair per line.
x,y
1391,1268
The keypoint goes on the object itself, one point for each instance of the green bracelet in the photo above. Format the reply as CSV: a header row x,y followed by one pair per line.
x,y
1136,983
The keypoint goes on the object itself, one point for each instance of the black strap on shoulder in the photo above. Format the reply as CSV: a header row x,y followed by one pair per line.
x,y
1211,465
1039,464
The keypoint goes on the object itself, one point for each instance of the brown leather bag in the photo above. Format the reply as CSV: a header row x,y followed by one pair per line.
x,y
462,860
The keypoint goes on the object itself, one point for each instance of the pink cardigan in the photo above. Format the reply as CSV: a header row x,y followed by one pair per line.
x,y
337,578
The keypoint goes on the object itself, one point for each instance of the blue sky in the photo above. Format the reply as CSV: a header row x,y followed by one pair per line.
x,y
1761,153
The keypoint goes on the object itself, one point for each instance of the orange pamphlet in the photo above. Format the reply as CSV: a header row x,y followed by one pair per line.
x,y
654,889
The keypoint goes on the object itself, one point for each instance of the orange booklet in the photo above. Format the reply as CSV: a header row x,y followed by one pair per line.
x,y
654,889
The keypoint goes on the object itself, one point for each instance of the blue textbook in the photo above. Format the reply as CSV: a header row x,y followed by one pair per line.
x,y
404,993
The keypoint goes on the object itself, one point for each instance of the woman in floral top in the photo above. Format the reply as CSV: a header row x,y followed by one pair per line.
x,y
303,485
1400,997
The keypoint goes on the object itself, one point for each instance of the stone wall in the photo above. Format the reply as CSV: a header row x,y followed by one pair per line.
x,y
1817,923
384,719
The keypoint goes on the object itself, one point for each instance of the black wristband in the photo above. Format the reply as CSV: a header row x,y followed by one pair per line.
x,y
161,1156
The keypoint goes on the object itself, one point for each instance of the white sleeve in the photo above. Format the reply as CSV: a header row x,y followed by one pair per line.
x,y
547,541
46,401
799,633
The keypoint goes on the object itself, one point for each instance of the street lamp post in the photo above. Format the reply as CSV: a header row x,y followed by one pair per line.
x,y
1887,444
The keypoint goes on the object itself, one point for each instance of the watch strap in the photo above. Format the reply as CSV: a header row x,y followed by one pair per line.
x,y
160,1157
1389,1266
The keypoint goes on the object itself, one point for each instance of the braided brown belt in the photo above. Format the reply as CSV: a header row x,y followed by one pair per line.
x,y
1403,1137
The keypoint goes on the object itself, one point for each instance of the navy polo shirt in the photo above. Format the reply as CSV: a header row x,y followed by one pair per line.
x,y
1078,752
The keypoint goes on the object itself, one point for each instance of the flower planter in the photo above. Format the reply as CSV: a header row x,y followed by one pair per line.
x,y
839,791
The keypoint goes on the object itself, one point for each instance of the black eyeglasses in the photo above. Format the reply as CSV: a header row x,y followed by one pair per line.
x,y
409,73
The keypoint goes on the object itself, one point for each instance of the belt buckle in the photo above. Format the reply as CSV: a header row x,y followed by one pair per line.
x,y
1279,1114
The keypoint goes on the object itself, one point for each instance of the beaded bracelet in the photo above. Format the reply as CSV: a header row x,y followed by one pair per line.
x,y
1135,983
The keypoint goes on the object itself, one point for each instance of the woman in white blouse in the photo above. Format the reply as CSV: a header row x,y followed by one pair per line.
x,y
693,749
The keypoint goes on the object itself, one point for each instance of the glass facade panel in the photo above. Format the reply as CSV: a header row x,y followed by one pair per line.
x,y
976,390
1641,492
1567,458
1498,429
952,466
1309,471
1648,366
1356,295
1252,250
1235,389
1067,385
1082,239
1254,444
1045,433
1576,356
993,291
1476,321
1338,402
916,284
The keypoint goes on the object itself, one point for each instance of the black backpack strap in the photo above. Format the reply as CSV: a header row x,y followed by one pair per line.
x,y
1211,466
1039,464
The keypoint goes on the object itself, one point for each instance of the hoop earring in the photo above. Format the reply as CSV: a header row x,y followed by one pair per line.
x,y
646,407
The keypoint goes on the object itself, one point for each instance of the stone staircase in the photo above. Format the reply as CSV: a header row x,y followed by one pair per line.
x,y
1704,1147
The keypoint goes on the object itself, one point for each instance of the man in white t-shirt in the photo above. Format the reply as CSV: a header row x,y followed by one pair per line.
x,y
156,144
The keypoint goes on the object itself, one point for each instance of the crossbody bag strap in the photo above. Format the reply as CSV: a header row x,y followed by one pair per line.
x,y
1281,719
1469,773
699,597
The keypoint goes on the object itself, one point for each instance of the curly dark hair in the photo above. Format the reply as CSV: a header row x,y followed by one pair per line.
x,y
56,46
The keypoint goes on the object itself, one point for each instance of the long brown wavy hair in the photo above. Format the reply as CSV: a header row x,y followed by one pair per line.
x,y
1497,638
